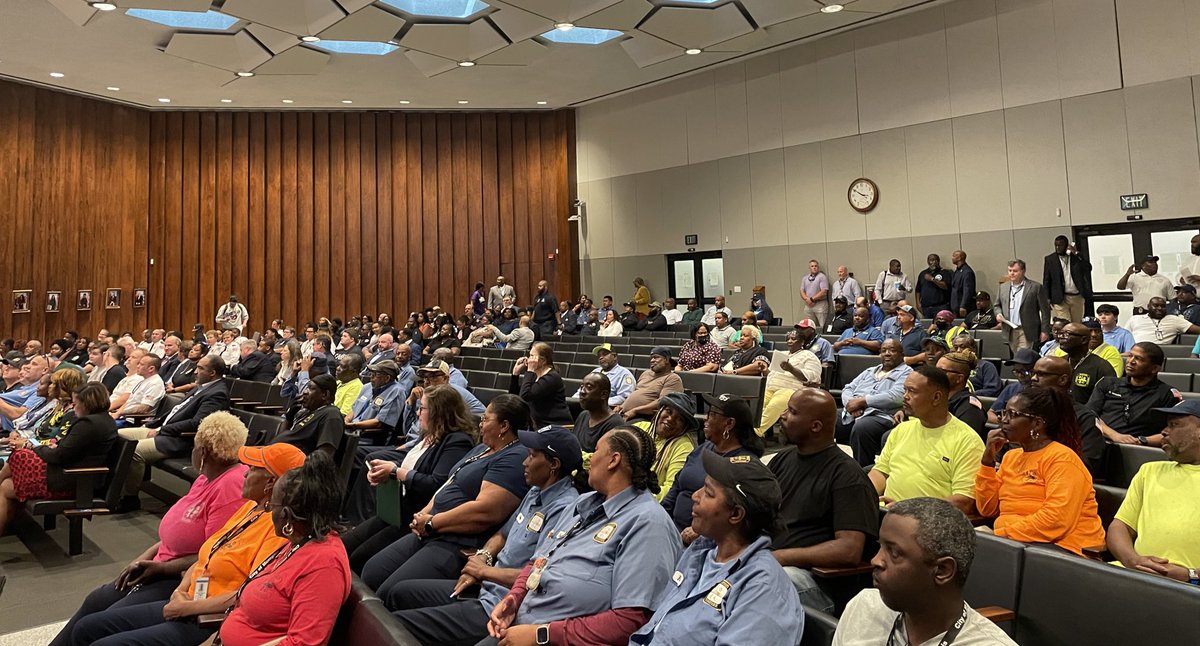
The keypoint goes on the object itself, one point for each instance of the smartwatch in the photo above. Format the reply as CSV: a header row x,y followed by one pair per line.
x,y
542,636
1142,440
429,531
1193,577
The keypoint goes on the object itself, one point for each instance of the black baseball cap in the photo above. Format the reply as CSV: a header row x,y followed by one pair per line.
x,y
731,406
683,403
753,482
557,442
1024,356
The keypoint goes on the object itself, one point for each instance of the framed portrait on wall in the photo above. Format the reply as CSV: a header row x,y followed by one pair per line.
x,y
83,302
52,301
112,298
139,296
21,299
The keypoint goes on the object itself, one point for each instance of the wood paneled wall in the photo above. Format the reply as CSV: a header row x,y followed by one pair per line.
x,y
299,213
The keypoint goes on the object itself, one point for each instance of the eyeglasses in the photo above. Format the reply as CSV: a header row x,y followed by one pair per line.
x,y
1007,414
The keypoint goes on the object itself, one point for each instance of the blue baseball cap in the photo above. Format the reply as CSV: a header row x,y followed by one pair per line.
x,y
1185,407
556,442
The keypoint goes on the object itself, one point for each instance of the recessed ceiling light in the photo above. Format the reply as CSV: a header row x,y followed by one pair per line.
x,y
347,101
405,102
57,75
311,39
113,88
245,74
692,52
832,8
104,6
541,103
466,63
164,100
226,100
288,101
564,26
463,102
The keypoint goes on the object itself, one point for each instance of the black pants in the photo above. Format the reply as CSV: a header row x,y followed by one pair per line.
x,y
411,559
427,611
360,497
865,436
108,597
139,625
370,538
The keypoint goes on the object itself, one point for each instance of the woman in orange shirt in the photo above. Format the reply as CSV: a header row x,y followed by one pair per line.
x,y
1041,491
224,562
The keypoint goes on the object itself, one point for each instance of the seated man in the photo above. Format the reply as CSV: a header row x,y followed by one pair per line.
x,y
120,395
829,505
800,368
253,364
904,469
170,435
384,351
910,334
870,400
985,378
619,378
943,326
349,385
1156,527
456,376
1156,326
877,314
721,333
629,318
1055,372
521,338
1127,407
1114,335
813,342
597,418
862,338
984,316
651,385
655,321
963,405
749,358
144,397
1022,367
170,357
378,409
935,348
319,425
1087,368
842,318
670,312
929,599
22,396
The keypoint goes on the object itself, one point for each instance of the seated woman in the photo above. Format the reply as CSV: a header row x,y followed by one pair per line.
x,y
422,466
729,566
483,490
610,326
597,575
763,314
209,503
700,354
223,562
294,595
673,431
1041,490
536,380
36,470
728,431
49,421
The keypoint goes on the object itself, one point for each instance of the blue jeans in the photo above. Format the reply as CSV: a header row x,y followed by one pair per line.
x,y
140,625
811,594
108,597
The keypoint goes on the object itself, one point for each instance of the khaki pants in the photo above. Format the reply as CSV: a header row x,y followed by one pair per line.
x,y
145,454
1016,339
1071,308
818,312
775,401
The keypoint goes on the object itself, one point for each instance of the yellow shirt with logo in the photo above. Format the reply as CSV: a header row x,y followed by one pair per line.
x,y
938,462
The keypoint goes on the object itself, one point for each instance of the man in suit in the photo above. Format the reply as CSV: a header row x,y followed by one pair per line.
x,y
171,357
170,435
254,365
1023,309
1067,277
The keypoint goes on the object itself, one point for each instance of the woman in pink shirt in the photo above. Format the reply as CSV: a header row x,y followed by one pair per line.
x,y
213,498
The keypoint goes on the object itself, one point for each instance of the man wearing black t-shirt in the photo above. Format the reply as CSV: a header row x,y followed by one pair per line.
x,y
1087,369
984,317
829,506
933,287
597,417
841,319
1125,406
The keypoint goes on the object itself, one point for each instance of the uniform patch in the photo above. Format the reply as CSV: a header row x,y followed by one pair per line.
x,y
605,533
740,459
629,380
1083,379
535,522
377,402
677,577
716,596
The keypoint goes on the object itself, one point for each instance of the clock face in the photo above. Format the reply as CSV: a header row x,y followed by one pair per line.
x,y
863,195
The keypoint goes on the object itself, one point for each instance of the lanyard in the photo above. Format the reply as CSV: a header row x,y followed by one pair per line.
x,y
233,533
266,562
947,639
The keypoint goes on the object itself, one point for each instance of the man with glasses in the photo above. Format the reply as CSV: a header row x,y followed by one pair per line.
x,y
1055,372
1086,368
1126,406
1156,326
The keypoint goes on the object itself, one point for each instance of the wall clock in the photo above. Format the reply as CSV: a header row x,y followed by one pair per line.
x,y
863,195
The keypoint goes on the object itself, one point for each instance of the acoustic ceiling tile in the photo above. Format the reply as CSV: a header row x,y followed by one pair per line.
x,y
453,41
646,50
371,23
688,27
299,17
428,64
273,39
165,5
624,15
563,10
517,23
77,12
295,61
770,12
522,53
233,52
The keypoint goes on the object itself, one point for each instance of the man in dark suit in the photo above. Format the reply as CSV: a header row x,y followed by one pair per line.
x,y
1067,277
171,357
170,435
1023,309
254,364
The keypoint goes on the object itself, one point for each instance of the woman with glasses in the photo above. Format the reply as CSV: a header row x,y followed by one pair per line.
x,y
1040,491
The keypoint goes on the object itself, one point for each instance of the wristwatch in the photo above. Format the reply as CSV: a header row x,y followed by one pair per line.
x,y
429,531
1143,441
1193,577
542,636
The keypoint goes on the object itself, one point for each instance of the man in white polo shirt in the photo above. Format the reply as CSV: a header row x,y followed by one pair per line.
x,y
1156,326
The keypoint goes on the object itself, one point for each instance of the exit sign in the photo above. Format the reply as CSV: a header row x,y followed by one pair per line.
x,y
1135,201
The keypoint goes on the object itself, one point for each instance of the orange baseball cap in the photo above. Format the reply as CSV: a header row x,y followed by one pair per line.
x,y
276,458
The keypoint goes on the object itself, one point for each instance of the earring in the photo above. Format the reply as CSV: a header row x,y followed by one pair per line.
x,y
725,435
287,528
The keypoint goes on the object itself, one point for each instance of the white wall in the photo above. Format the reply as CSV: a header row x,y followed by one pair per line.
x,y
989,125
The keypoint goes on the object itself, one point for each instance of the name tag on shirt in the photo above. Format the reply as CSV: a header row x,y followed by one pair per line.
x,y
535,522
605,533
678,578
201,588
716,596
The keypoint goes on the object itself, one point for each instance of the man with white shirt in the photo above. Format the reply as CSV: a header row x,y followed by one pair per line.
x,y
710,314
721,332
1189,273
120,395
1023,308
148,392
1145,283
154,345
672,315
1156,326
845,286
232,315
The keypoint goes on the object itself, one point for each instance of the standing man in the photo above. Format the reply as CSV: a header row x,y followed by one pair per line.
x,y
933,288
845,286
545,309
962,285
892,285
233,315
1189,274
1145,283
498,292
1068,279
1023,309
814,289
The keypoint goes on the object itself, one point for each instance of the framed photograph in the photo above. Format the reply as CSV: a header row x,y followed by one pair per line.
x,y
52,300
83,302
21,299
112,298
139,296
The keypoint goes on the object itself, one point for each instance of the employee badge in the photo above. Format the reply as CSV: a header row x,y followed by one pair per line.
x,y
716,596
378,401
605,533
535,574
520,518
677,577
535,522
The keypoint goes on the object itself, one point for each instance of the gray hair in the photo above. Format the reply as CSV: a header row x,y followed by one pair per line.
x,y
1018,262
942,530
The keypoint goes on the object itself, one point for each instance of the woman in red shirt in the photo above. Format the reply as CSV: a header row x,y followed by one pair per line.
x,y
294,596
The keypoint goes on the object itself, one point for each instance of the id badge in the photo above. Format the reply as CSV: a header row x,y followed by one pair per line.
x,y
535,574
201,588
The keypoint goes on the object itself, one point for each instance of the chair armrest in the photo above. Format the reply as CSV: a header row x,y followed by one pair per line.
x,y
1097,553
978,520
211,620
270,408
247,402
996,614
82,470
837,572
137,417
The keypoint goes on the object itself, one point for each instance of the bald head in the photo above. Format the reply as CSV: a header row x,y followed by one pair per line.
x,y
808,421
1052,372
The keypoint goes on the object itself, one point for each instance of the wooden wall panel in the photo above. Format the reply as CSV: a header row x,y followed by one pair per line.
x,y
301,214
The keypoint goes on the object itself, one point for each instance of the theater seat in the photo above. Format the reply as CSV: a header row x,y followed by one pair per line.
x,y
1066,599
995,578
818,628
1122,461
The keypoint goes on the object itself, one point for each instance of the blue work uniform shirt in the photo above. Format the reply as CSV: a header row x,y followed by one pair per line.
x,y
621,382
386,405
746,600
867,334
23,395
538,513
884,395
678,500
822,348
603,554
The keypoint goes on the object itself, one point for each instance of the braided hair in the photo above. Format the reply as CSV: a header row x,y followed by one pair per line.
x,y
638,450
1057,409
